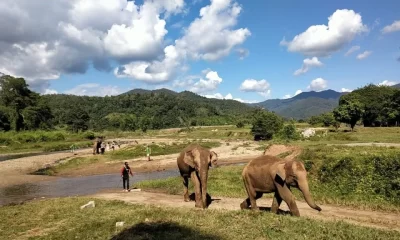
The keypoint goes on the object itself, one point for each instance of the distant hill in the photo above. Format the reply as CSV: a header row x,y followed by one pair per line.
x,y
303,105
396,86
222,106
143,91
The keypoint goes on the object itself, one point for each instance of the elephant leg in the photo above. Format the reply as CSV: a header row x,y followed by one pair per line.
x,y
288,197
276,203
185,188
252,195
197,189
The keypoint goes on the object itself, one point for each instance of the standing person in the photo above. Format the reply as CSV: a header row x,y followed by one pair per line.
x,y
103,147
148,152
125,172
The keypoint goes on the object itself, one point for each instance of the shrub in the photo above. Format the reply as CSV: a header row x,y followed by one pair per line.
x,y
89,135
265,124
240,124
289,132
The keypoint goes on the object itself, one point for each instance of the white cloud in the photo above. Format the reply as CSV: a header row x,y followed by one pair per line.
x,y
216,21
297,92
50,91
209,84
94,89
289,96
346,90
261,87
243,53
387,83
318,84
308,63
322,40
363,55
74,35
351,50
394,27
229,97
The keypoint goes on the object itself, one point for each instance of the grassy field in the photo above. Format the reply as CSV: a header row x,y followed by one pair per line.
x,y
47,141
120,155
360,177
64,220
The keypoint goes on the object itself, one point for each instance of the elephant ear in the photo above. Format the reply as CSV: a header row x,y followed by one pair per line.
x,y
192,158
284,173
213,158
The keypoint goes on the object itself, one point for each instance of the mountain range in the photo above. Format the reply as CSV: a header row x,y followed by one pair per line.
x,y
301,106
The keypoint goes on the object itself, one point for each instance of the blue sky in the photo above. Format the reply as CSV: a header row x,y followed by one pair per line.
x,y
246,50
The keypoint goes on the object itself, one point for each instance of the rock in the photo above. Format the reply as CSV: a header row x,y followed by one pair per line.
x,y
309,132
119,224
90,204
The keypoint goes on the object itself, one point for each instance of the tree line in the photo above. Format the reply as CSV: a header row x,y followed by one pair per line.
x,y
371,106
23,109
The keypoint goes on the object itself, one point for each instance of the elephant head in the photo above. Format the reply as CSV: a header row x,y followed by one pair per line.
x,y
294,174
201,159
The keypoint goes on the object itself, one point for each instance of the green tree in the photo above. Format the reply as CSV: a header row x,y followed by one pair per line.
x,y
348,112
15,95
5,124
289,132
76,119
265,124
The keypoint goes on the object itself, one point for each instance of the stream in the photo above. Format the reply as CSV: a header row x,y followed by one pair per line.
x,y
78,186
74,186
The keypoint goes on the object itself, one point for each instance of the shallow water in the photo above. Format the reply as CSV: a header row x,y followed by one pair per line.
x,y
79,186
74,186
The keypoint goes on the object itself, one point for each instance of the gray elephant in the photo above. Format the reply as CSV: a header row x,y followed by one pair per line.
x,y
267,174
194,162
97,145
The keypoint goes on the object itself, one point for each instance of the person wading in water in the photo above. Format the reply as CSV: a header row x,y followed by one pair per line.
x,y
125,172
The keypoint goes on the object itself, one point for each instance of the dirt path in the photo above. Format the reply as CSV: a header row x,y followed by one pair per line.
x,y
367,144
374,219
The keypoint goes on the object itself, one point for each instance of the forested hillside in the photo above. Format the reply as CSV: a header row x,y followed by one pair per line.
x,y
303,105
138,109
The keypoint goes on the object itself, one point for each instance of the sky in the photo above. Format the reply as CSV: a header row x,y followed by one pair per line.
x,y
245,50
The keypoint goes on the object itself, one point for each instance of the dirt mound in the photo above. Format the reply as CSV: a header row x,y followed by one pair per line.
x,y
275,150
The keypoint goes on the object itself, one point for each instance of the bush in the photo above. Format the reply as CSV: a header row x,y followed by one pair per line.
x,y
89,135
289,132
240,124
265,124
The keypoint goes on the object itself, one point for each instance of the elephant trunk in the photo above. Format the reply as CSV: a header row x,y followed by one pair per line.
x,y
203,180
303,185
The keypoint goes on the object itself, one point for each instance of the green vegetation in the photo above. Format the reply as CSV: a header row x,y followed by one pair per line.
x,y
265,124
374,105
361,177
64,220
25,110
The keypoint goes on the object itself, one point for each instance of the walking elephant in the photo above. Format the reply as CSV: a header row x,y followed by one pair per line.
x,y
97,145
194,162
267,174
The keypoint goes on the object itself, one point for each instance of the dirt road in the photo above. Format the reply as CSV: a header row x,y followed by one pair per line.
x,y
374,219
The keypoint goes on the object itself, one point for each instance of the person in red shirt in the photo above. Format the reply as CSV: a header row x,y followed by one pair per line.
x,y
125,172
